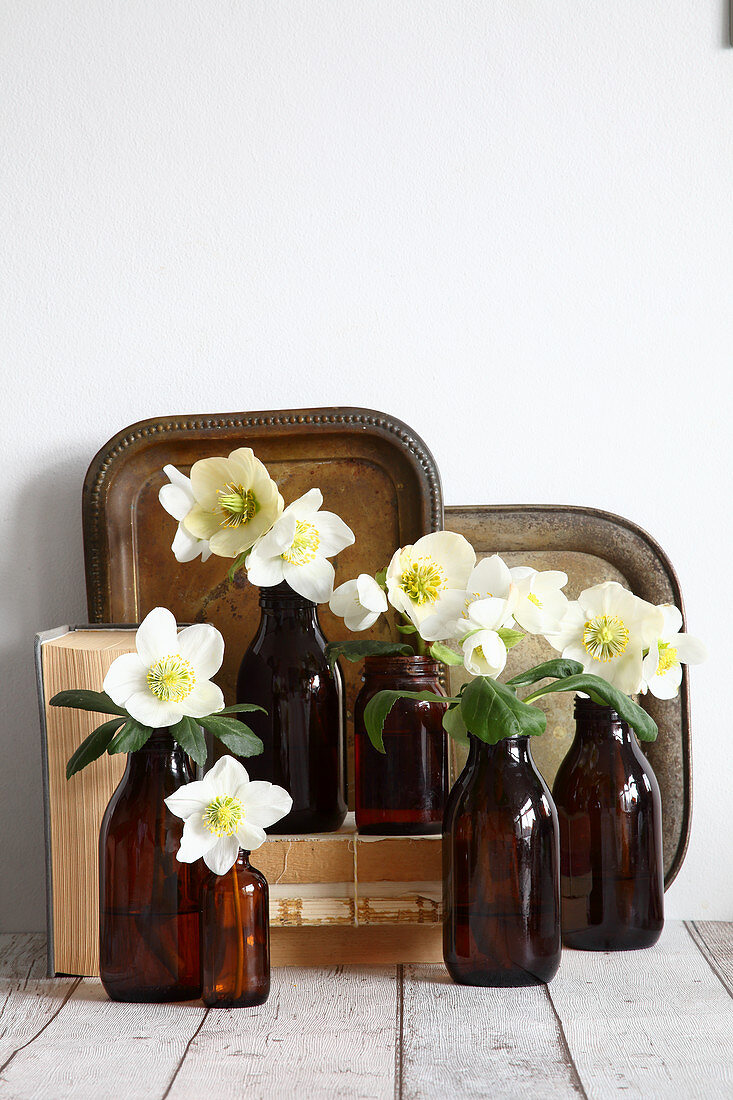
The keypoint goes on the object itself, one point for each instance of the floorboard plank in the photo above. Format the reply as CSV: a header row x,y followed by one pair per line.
x,y
322,1033
466,1041
97,1049
652,1024
28,1000
715,940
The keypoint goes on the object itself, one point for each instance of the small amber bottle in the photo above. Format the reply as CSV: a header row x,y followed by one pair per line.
x,y
235,937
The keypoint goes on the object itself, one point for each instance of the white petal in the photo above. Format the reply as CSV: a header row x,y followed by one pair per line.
x,y
667,685
151,711
125,677
672,620
227,776
690,651
189,799
179,480
305,506
250,837
156,636
278,539
489,614
454,553
264,803
203,646
343,599
265,572
357,618
313,581
491,577
196,839
177,502
334,534
222,857
205,699
443,620
371,595
187,547
208,475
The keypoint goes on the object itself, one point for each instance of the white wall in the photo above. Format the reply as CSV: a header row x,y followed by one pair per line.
x,y
508,223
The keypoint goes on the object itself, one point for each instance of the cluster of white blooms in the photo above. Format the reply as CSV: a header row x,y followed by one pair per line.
x,y
438,586
231,506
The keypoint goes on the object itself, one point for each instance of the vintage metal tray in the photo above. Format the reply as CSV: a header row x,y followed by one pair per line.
x,y
373,470
592,546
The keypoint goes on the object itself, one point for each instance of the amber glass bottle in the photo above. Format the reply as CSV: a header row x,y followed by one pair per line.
x,y
149,902
501,904
402,791
285,671
610,814
235,937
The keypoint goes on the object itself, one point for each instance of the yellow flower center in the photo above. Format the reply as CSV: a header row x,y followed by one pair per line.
x,y
171,679
304,545
238,505
479,652
667,658
223,816
605,637
534,599
423,581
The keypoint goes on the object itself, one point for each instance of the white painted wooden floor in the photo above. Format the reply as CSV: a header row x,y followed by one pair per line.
x,y
652,1024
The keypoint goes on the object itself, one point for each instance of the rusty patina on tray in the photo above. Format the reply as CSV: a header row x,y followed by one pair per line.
x,y
592,546
373,470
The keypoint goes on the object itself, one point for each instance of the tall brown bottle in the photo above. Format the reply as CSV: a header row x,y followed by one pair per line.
x,y
149,902
235,937
610,814
501,904
285,671
402,790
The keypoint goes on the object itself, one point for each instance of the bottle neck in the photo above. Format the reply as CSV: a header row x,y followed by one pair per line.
x,y
597,723
509,751
399,671
160,756
280,606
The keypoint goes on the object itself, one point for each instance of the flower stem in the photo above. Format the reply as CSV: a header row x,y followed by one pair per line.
x,y
239,976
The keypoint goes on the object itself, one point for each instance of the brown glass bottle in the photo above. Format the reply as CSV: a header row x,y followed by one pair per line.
x,y
149,902
501,904
285,671
235,937
610,815
403,790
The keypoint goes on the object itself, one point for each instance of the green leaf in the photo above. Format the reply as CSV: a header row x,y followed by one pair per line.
x,y
510,637
406,628
558,669
93,746
601,691
234,734
131,737
190,737
379,706
491,711
79,699
354,651
239,708
445,654
381,578
236,564
454,725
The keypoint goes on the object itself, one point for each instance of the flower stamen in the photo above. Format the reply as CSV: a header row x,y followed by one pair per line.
x,y
237,504
223,815
423,581
605,637
304,546
534,599
667,658
171,679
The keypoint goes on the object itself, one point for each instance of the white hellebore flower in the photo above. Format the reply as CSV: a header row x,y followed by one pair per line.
x,y
297,549
484,652
662,667
177,498
236,502
359,603
224,812
170,674
540,605
490,579
429,578
606,629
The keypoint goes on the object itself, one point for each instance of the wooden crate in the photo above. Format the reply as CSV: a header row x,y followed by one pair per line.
x,y
334,897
